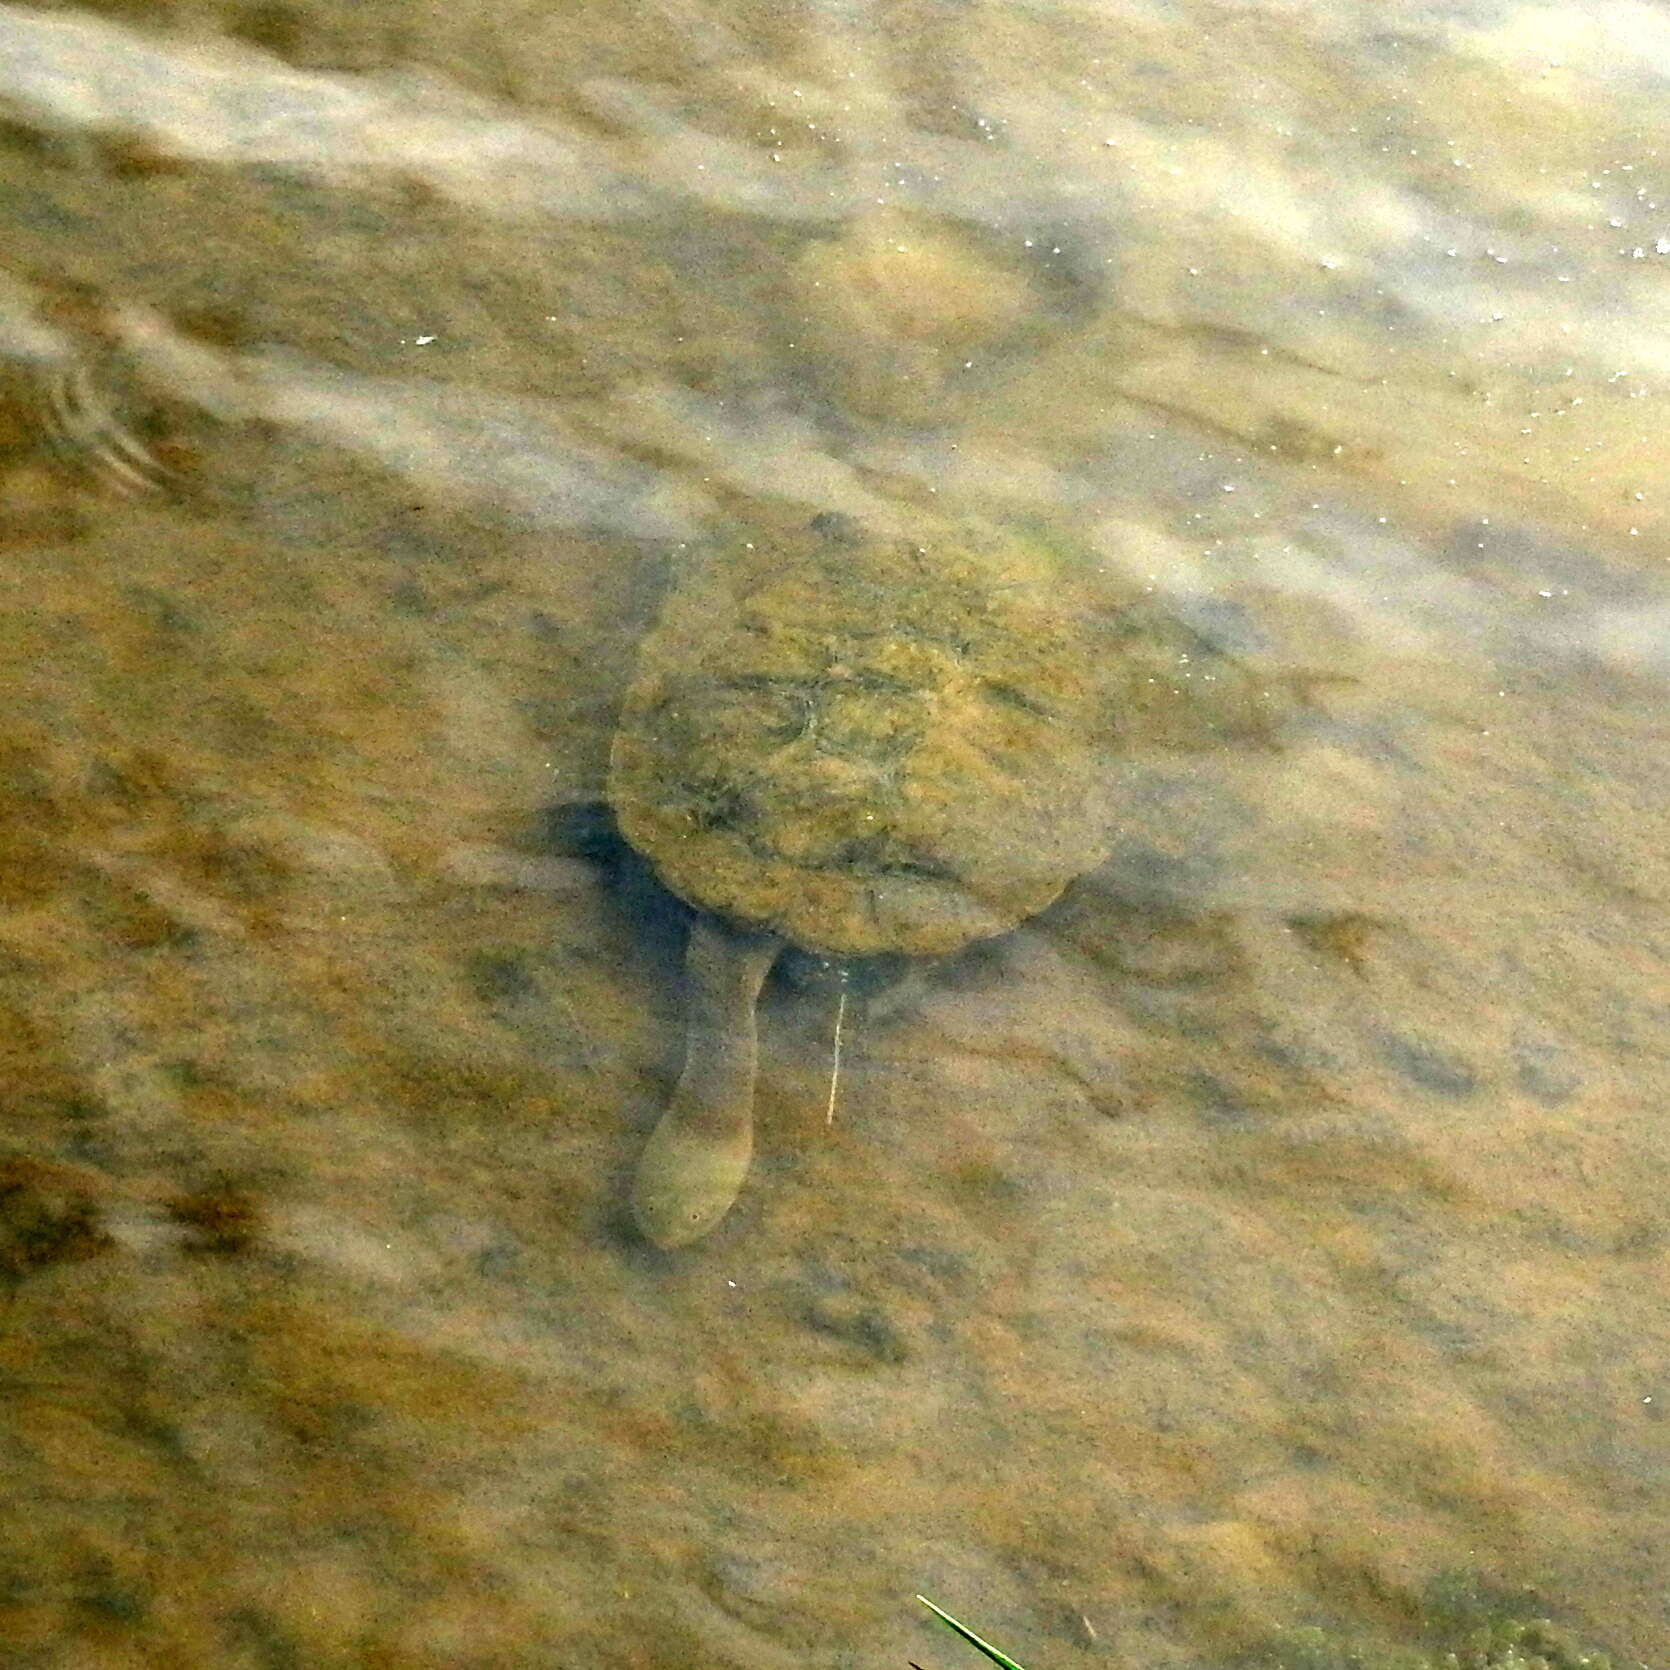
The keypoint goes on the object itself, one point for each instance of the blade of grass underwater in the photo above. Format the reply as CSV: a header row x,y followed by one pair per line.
x,y
1002,1660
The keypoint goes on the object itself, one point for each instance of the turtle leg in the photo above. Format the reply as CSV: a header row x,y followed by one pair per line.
x,y
696,1158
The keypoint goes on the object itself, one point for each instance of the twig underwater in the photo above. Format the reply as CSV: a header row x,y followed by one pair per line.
x,y
835,1060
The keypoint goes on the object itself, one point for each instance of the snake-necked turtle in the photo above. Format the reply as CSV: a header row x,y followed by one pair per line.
x,y
856,744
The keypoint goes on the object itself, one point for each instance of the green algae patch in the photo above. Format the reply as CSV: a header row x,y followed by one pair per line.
x,y
1465,1625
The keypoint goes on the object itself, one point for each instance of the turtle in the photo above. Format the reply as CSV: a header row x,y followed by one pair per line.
x,y
864,743
851,743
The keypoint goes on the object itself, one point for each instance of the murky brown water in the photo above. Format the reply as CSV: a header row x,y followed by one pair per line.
x,y
1273,1224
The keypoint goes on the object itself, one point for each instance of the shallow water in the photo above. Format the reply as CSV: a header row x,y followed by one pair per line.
x,y
1273,1224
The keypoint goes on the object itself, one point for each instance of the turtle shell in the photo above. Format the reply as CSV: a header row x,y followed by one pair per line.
x,y
864,743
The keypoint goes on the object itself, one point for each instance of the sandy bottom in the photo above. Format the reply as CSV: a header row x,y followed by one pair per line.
x,y
1273,1225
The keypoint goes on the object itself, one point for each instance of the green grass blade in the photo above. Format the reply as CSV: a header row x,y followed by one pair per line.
x,y
1001,1660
